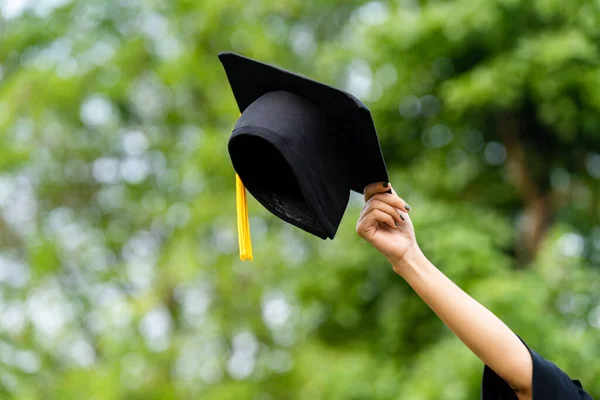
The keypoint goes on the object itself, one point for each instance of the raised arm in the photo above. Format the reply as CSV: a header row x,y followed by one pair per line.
x,y
384,223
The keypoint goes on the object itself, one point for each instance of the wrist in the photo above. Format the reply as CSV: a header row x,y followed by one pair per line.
x,y
412,259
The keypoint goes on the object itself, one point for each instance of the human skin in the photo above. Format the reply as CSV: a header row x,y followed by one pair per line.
x,y
385,223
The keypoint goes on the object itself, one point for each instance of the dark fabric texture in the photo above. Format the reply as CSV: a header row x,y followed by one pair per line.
x,y
294,161
300,146
549,383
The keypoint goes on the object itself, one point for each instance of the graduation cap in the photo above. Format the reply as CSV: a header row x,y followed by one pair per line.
x,y
299,147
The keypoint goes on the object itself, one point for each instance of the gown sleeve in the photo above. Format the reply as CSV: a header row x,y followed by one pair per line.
x,y
549,383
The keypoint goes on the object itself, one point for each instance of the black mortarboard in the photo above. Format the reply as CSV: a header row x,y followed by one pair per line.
x,y
299,147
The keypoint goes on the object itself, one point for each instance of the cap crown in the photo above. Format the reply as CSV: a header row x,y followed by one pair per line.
x,y
300,145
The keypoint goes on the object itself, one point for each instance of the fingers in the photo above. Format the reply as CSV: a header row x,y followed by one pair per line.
x,y
380,205
377,187
380,189
376,215
392,200
406,206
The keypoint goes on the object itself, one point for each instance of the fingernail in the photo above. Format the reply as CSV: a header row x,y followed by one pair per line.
x,y
401,217
386,184
407,207
396,222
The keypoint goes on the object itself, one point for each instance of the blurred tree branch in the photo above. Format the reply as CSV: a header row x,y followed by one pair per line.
x,y
537,204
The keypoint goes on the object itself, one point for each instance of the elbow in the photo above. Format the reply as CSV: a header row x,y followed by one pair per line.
x,y
523,391
522,382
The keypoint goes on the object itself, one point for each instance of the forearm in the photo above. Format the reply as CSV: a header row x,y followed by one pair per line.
x,y
484,333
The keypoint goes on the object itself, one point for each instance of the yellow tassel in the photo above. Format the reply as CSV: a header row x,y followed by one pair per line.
x,y
242,220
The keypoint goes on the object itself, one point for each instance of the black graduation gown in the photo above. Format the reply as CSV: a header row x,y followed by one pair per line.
x,y
549,383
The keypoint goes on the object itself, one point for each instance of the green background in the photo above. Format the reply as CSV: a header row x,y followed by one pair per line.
x,y
119,269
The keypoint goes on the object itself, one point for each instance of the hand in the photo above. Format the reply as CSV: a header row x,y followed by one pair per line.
x,y
385,224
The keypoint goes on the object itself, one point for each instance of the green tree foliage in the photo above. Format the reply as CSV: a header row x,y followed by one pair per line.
x,y
119,271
